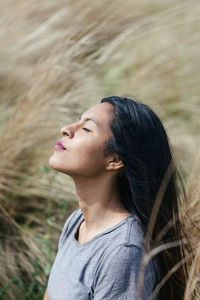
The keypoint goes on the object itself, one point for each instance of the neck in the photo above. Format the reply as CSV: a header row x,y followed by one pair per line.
x,y
99,202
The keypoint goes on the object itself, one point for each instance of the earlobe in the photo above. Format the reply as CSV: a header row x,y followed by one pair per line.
x,y
115,164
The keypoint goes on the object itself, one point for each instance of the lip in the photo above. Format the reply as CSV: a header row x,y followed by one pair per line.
x,y
59,146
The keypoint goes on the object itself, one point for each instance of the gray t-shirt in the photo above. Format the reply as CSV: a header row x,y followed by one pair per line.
x,y
104,268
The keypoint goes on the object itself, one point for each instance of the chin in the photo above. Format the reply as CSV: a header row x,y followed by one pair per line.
x,y
55,163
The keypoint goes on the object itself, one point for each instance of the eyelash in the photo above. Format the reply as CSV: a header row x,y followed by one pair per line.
x,y
86,129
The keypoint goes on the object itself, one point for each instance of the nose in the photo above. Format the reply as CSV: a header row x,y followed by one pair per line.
x,y
65,131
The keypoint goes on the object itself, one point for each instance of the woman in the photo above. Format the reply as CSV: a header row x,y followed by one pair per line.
x,y
118,155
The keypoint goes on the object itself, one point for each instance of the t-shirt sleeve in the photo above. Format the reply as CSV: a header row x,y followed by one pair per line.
x,y
117,275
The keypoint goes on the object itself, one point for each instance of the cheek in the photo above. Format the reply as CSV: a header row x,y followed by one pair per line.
x,y
90,159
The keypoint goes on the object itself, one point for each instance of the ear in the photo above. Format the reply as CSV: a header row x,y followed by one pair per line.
x,y
114,163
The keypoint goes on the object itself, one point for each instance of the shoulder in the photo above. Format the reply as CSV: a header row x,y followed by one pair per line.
x,y
128,233
122,260
69,224
118,272
117,260
122,254
134,233
75,215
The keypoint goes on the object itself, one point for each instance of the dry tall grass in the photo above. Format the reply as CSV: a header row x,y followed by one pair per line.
x,y
57,59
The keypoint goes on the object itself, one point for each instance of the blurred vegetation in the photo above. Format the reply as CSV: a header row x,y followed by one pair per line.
x,y
57,59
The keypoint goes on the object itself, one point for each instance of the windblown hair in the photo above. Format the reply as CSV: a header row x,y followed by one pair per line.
x,y
141,142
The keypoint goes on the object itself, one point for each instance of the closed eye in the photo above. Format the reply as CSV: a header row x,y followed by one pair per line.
x,y
86,129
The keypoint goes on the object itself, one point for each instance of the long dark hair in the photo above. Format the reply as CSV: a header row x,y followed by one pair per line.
x,y
141,142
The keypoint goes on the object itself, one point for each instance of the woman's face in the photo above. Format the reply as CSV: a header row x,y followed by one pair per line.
x,y
85,143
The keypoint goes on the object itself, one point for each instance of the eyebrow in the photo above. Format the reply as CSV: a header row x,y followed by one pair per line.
x,y
88,119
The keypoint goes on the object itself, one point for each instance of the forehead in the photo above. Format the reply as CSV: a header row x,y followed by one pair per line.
x,y
103,113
